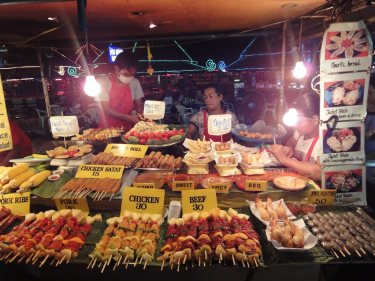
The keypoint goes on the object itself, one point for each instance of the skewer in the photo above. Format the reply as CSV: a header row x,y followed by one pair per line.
x,y
15,257
248,264
135,263
21,259
363,251
342,253
126,257
53,260
359,255
162,265
199,261
140,261
35,261
234,261
204,264
105,264
127,264
44,261
346,250
220,257
113,194
60,261
8,255
91,261
172,265
100,265
205,255
178,264
243,263
29,258
183,262
93,264
144,267
335,254
117,263
256,263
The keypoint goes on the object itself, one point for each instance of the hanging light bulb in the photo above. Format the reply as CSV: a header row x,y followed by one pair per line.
x,y
299,70
92,87
290,118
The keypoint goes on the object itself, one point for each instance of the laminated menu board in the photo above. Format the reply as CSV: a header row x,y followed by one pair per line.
x,y
346,47
342,145
344,95
349,181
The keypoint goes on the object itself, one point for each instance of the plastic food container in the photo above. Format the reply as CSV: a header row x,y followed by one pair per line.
x,y
54,177
58,172
156,178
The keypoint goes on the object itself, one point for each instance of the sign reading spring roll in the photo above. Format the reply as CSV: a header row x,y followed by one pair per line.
x,y
344,95
141,200
18,203
219,124
198,200
100,172
6,142
342,145
346,47
154,110
349,182
126,150
64,126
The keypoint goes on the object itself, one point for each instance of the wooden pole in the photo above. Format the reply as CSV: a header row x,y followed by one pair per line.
x,y
282,81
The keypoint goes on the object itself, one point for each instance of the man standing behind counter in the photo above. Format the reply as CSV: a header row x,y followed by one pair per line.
x,y
121,94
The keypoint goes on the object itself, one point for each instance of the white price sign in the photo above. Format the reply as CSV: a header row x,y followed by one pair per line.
x,y
154,109
219,124
64,126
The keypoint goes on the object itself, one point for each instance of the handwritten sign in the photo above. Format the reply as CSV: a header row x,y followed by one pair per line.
x,y
322,197
144,184
80,204
220,187
18,203
154,110
127,150
140,200
219,124
198,200
255,185
100,172
6,142
64,126
182,185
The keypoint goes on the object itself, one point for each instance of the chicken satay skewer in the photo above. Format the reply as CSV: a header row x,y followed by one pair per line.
x,y
144,267
162,265
15,256
90,263
93,264
44,261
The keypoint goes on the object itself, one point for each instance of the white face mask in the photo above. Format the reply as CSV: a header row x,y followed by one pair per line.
x,y
124,79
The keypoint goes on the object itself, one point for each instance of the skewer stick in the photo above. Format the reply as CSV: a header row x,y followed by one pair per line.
x,y
346,250
140,261
135,263
178,264
60,261
21,259
363,251
35,261
243,263
144,267
113,194
256,263
117,263
172,265
234,261
15,257
8,255
53,260
105,264
183,262
36,255
68,260
162,265
248,264
93,264
221,257
100,264
359,255
126,257
44,261
29,258
342,253
204,264
199,261
127,264
91,261
335,254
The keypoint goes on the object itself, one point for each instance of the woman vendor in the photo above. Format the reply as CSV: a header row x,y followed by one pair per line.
x,y
301,152
198,126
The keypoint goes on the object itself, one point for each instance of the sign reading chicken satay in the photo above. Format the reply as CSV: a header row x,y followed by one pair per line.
x,y
6,142
126,150
154,110
182,185
141,200
18,203
346,47
343,144
100,172
78,203
255,185
198,200
348,182
64,126
219,124
344,95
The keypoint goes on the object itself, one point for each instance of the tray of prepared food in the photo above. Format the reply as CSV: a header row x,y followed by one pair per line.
x,y
107,158
259,133
156,161
94,135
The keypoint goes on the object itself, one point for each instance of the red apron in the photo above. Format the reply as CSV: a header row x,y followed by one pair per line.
x,y
223,138
309,152
120,99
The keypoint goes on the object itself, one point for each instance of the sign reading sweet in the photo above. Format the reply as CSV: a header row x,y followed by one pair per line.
x,y
100,172
18,203
126,150
64,126
140,200
198,200
322,197
6,142
182,185
219,124
255,185
80,204
154,110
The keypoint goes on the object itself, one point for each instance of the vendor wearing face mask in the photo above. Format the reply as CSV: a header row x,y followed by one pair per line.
x,y
121,94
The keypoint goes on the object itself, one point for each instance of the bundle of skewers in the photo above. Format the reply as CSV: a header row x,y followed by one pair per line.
x,y
343,234
107,158
199,238
6,218
96,188
129,239
51,234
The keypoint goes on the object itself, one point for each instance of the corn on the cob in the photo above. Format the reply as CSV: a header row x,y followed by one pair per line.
x,y
14,171
5,189
35,180
18,180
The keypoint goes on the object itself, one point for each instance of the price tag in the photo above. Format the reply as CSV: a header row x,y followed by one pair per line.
x,y
154,110
198,200
6,142
255,185
219,124
18,203
64,126
182,185
144,184
322,197
80,204
127,150
220,187
140,200
100,172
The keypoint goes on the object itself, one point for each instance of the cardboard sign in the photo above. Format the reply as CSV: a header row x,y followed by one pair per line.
x,y
144,184
220,187
198,200
219,124
322,197
154,110
64,126
6,142
255,185
346,47
80,204
100,172
182,185
18,203
141,200
127,150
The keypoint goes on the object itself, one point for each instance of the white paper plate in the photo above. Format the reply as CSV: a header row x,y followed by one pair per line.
x,y
310,239
30,160
274,203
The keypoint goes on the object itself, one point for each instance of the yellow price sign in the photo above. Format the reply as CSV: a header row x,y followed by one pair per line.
x,y
182,185
80,204
141,200
127,150
18,203
144,184
100,172
255,185
322,197
220,187
198,200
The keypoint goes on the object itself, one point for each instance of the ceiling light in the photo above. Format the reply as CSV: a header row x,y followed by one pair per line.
x,y
152,25
299,70
92,87
290,118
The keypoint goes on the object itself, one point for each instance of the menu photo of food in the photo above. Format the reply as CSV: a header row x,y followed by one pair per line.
x,y
344,93
342,140
344,181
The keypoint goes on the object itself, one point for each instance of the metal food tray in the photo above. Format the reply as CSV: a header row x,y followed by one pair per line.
x,y
158,169
155,145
